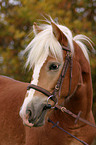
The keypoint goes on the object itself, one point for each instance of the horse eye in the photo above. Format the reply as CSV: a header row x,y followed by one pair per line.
x,y
54,66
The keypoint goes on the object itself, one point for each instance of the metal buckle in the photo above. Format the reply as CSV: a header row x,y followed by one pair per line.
x,y
56,87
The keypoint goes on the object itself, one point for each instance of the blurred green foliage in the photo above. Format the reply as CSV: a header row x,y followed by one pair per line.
x,y
16,20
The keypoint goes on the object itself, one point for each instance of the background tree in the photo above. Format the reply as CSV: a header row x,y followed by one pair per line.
x,y
16,20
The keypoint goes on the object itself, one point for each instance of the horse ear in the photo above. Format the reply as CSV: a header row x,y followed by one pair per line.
x,y
59,34
36,28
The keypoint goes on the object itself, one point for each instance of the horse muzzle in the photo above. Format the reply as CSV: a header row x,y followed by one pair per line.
x,y
34,114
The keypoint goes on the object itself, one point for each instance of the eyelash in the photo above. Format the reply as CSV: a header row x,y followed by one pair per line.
x,y
54,67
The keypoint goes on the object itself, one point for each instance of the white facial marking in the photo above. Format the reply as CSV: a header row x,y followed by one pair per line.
x,y
31,92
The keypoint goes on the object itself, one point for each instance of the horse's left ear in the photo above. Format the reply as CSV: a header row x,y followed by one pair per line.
x,y
59,34
36,29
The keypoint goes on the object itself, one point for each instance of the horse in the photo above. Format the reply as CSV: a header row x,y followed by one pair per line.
x,y
62,76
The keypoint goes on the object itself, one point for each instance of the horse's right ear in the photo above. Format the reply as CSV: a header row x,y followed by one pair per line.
x,y
36,28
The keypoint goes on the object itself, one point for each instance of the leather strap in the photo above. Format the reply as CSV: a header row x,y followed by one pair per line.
x,y
68,60
45,92
77,117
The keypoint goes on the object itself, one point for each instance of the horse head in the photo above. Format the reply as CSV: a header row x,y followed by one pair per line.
x,y
47,55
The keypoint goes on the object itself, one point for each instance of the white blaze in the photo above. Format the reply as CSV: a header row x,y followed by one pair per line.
x,y
31,92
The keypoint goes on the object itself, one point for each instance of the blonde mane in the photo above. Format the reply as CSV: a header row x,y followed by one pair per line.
x,y
45,44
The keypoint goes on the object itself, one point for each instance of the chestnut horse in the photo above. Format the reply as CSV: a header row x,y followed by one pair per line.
x,y
47,58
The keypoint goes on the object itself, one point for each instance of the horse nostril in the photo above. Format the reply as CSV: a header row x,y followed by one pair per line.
x,y
48,106
30,114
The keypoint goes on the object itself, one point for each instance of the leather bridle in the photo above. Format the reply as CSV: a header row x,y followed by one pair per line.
x,y
53,96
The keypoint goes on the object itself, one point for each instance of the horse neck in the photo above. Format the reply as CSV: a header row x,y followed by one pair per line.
x,y
82,99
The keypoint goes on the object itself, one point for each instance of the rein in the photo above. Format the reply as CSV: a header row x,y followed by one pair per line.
x,y
56,125
53,95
